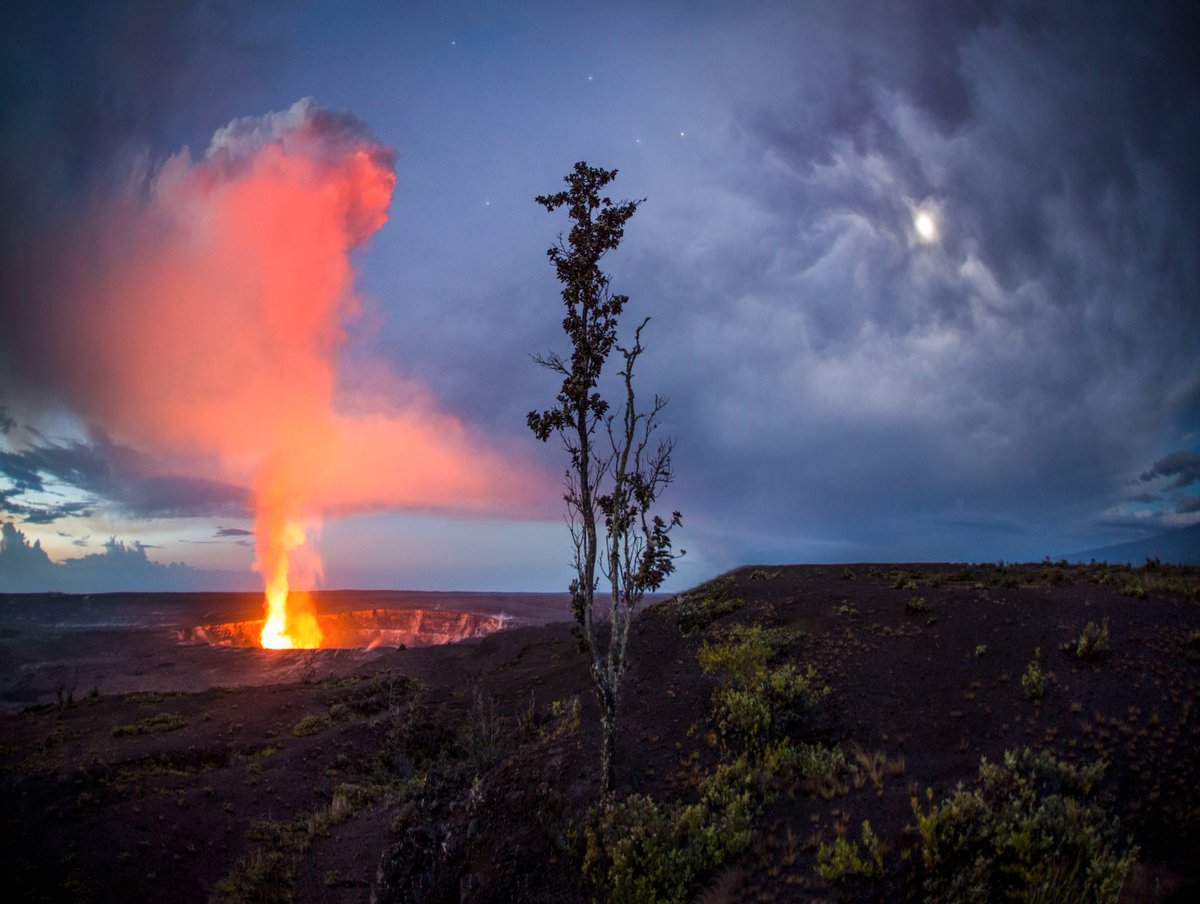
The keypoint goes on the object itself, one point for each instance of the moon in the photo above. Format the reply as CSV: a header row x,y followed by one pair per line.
x,y
926,226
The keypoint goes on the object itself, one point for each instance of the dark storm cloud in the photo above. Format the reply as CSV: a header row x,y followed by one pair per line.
x,y
43,513
112,476
1183,465
233,532
1171,474
1018,366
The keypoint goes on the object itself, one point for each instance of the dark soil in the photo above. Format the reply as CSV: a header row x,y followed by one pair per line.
x,y
466,772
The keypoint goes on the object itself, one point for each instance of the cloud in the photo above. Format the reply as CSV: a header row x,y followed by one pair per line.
x,y
115,477
25,568
42,512
233,532
1183,465
830,372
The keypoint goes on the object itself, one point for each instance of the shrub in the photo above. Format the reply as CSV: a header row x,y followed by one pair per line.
x,y
916,604
692,611
1053,575
483,733
348,799
844,860
817,769
1030,831
1134,587
1033,682
745,649
1092,643
848,573
312,724
1004,578
155,724
755,699
641,851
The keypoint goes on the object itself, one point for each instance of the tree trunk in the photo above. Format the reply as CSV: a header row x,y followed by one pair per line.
x,y
608,744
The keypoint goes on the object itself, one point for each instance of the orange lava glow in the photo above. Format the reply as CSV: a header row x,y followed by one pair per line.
x,y
212,307
291,618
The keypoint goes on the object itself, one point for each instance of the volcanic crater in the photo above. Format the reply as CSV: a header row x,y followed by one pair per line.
x,y
364,629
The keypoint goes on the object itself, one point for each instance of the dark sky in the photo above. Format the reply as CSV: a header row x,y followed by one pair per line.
x,y
923,276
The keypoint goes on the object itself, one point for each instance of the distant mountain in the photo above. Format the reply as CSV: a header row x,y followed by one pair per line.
x,y
1181,547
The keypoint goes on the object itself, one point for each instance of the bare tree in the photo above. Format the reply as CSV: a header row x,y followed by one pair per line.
x,y
617,470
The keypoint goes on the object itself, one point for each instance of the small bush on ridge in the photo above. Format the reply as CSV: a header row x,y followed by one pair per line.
x,y
844,860
1092,642
1030,831
1033,682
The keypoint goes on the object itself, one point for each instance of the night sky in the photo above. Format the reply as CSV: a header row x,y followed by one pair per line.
x,y
922,279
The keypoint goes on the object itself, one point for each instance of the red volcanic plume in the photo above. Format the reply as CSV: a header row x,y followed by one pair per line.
x,y
209,309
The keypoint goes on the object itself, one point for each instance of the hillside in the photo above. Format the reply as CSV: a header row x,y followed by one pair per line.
x,y
467,772
1179,547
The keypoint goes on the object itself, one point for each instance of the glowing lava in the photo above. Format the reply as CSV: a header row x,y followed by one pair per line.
x,y
291,620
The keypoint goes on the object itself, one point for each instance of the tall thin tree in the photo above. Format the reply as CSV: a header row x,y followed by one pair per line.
x,y
617,468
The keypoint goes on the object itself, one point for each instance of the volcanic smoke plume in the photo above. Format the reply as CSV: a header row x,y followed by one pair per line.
x,y
200,316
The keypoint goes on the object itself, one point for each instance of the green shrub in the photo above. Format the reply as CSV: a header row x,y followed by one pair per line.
x,y
144,698
1134,587
640,851
155,724
266,875
848,573
1092,642
756,699
312,724
696,611
485,731
347,800
844,860
757,709
1053,575
745,649
1033,682
1030,831
817,769
1004,578
916,604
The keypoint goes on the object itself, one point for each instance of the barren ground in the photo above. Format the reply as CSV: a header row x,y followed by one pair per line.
x,y
466,772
